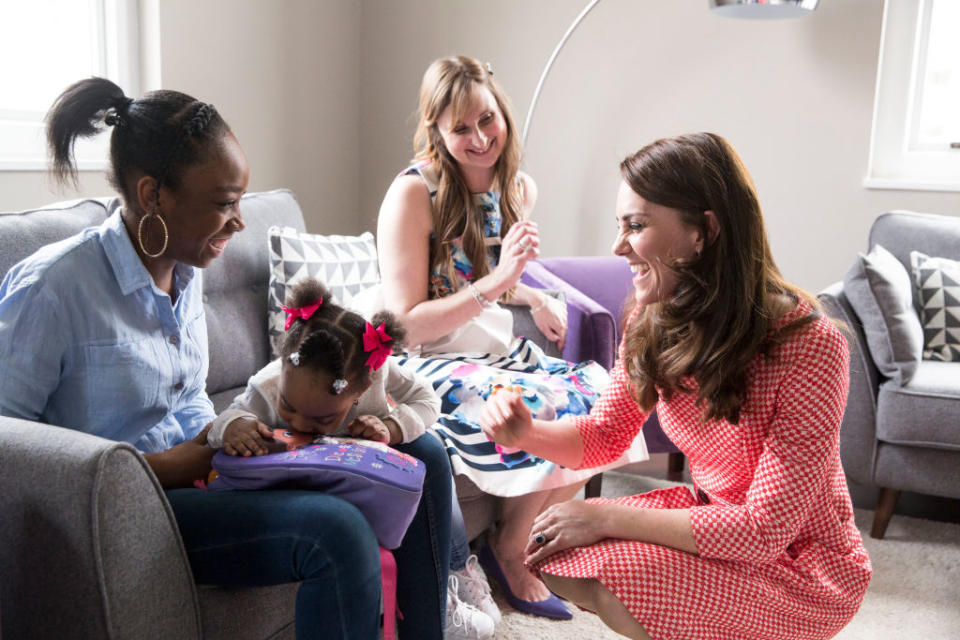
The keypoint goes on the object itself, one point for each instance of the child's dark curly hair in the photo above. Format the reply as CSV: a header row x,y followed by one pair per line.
x,y
332,339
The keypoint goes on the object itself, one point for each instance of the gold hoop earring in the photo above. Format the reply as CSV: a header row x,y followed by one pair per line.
x,y
140,236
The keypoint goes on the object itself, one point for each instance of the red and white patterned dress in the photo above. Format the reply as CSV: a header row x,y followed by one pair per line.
x,y
780,556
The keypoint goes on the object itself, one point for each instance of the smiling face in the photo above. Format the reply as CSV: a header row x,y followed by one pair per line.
x,y
477,138
203,211
307,402
652,238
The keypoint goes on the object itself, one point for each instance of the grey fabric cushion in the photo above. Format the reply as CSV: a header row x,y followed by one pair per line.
x,y
23,232
938,292
235,291
926,411
879,290
248,614
347,265
88,544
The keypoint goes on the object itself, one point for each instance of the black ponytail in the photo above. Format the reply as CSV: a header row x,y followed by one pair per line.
x,y
160,135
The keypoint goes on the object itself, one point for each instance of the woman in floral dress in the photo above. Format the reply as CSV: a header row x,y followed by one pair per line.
x,y
453,238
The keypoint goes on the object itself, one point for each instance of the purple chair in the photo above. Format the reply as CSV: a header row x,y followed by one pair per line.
x,y
596,289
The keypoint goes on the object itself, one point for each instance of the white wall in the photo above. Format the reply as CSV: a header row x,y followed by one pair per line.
x,y
321,94
795,97
284,74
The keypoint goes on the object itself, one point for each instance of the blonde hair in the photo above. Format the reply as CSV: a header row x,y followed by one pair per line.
x,y
454,82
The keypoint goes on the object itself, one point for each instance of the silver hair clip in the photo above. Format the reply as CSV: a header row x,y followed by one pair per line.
x,y
294,358
489,68
338,386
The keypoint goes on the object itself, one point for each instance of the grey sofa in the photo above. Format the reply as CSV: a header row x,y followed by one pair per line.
x,y
88,544
901,438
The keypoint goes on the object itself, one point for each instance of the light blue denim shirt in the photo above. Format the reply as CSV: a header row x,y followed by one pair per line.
x,y
88,342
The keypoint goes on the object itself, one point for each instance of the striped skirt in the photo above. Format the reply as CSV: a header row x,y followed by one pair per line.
x,y
552,388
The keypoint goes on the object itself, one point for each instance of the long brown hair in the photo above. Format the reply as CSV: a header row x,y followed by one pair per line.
x,y
720,315
454,82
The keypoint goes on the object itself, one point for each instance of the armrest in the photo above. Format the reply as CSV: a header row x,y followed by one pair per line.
x,y
858,433
88,543
591,329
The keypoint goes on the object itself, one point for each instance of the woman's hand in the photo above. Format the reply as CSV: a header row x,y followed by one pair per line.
x,y
506,419
246,437
521,244
550,316
574,523
181,464
370,428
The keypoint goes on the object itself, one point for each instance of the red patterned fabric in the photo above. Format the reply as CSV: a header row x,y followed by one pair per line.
x,y
780,555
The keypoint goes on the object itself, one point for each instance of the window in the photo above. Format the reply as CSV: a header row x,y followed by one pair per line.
x,y
46,46
916,127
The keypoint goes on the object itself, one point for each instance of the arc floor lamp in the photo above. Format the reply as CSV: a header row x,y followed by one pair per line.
x,y
729,8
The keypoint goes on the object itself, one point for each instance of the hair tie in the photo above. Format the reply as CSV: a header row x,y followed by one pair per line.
x,y
339,385
375,343
300,313
122,103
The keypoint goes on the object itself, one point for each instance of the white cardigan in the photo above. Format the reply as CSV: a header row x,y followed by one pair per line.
x,y
416,405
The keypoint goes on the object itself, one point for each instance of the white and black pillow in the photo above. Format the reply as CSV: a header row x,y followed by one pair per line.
x,y
878,288
938,291
347,265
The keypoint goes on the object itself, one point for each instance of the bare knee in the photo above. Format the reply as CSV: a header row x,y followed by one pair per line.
x,y
580,591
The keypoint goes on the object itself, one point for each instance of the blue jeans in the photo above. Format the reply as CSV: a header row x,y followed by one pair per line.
x,y
260,538
459,545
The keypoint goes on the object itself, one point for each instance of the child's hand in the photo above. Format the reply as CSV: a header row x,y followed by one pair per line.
x,y
245,437
370,428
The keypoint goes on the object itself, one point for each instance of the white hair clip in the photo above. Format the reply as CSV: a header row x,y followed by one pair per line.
x,y
338,386
294,358
489,68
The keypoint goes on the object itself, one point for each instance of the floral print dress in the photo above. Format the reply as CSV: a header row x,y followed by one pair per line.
x,y
551,387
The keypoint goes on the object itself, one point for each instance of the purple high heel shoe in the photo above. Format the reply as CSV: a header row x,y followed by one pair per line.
x,y
552,607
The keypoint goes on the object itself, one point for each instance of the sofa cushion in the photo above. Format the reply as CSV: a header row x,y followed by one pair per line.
x,y
23,232
926,411
879,290
235,291
347,265
938,292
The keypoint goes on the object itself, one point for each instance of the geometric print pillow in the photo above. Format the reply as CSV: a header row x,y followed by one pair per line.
x,y
938,289
346,265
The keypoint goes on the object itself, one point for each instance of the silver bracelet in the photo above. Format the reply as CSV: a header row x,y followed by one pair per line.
x,y
540,306
479,297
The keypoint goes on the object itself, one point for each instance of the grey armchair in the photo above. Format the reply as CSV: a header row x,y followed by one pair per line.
x,y
901,438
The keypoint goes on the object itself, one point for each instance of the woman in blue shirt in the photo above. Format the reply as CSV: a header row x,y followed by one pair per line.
x,y
115,319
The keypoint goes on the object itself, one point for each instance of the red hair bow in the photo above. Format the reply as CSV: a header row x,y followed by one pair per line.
x,y
373,343
300,313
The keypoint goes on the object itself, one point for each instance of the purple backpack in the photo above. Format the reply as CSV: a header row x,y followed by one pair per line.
x,y
383,483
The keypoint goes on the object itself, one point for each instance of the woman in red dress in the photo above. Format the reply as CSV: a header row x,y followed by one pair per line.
x,y
749,380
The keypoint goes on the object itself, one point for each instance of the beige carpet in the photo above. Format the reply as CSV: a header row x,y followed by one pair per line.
x,y
914,593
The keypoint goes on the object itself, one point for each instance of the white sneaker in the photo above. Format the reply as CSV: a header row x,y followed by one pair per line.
x,y
465,622
474,589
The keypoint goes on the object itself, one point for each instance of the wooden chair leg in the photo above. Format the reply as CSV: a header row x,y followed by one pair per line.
x,y
675,462
592,488
881,518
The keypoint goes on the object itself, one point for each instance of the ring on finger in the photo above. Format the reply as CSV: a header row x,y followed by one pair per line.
x,y
540,539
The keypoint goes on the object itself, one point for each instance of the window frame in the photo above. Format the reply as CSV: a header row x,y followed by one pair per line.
x,y
120,60
895,161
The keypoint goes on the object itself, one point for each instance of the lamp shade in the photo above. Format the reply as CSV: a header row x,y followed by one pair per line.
x,y
763,8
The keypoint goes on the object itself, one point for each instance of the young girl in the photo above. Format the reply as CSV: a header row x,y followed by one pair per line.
x,y
335,377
